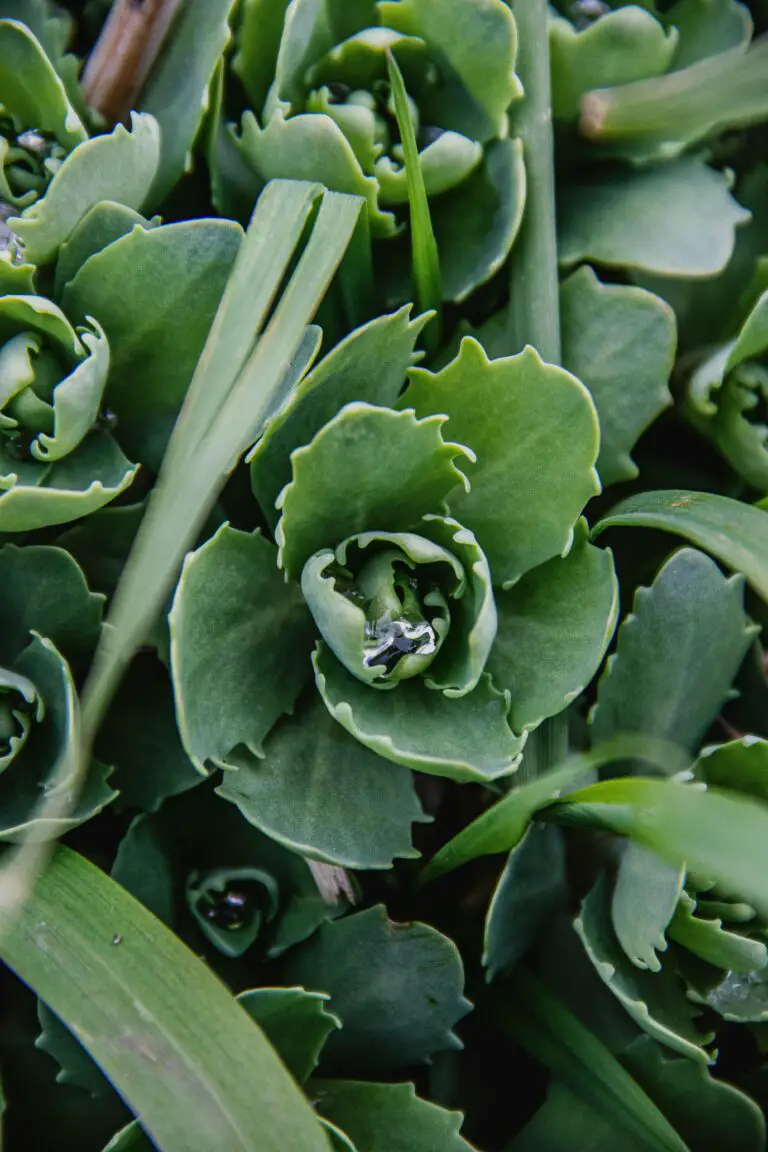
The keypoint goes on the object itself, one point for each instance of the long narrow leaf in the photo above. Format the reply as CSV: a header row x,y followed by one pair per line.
x,y
176,1045
542,1024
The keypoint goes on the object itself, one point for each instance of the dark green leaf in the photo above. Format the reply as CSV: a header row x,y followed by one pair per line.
x,y
388,1117
296,1023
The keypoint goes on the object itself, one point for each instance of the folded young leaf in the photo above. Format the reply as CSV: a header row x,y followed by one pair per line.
x,y
30,89
643,902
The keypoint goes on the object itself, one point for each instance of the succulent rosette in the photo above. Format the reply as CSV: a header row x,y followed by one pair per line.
x,y
430,569
58,462
727,396
49,623
321,109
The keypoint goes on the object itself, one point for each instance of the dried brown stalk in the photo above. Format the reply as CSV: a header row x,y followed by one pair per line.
x,y
122,57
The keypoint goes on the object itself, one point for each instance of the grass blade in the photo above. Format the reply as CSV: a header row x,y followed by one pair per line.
x,y
176,1045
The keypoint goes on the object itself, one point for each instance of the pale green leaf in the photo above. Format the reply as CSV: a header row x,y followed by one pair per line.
x,y
240,644
554,627
30,89
510,412
677,654
620,342
740,765
119,167
258,42
735,533
369,364
617,48
296,1023
466,739
654,1000
155,293
643,902
76,400
130,1139
226,1079
367,963
105,223
710,941
176,91
728,24
325,795
615,218
388,1117
400,466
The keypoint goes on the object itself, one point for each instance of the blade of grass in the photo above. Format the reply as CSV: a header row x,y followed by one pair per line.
x,y
426,261
175,1043
546,1028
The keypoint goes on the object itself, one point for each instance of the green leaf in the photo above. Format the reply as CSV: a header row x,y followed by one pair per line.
x,y
181,1016
155,294
101,226
510,412
240,644
139,738
531,887
44,591
740,765
708,1113
466,739
554,627
425,259
617,48
130,1139
741,998
477,222
176,92
367,964
258,42
620,342
369,364
75,1065
95,473
716,834
553,1035
612,217
119,167
388,1117
643,902
736,533
30,89
654,1000
323,794
707,939
101,543
728,24
401,467
296,1023
677,655
479,85
76,400
310,147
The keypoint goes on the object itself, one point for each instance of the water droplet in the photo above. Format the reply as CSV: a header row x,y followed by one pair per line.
x,y
33,142
230,909
388,644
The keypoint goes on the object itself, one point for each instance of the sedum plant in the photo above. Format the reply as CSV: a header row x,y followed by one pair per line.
x,y
359,752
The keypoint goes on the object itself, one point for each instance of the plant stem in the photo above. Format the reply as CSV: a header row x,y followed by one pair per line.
x,y
128,46
534,310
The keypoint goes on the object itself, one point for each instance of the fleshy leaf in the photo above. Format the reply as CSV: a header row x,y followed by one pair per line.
x,y
155,293
87,479
75,1065
612,217
644,899
323,794
388,1117
677,655
105,223
30,88
530,889
176,92
655,1000
367,963
44,591
706,938
258,42
240,644
466,739
620,342
76,400
736,533
400,468
296,1023
740,765
523,502
370,365
479,85
119,167
554,627
617,48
